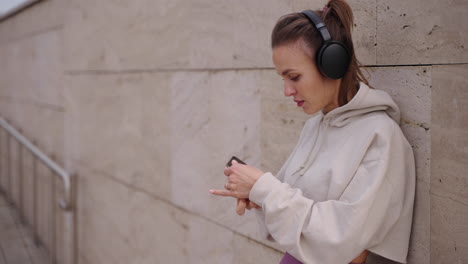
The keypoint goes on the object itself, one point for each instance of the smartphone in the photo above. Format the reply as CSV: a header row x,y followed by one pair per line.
x,y
229,164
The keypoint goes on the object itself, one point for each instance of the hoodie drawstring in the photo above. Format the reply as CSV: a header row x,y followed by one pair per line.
x,y
310,160
307,163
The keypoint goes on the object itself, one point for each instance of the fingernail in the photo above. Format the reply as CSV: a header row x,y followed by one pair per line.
x,y
234,161
212,191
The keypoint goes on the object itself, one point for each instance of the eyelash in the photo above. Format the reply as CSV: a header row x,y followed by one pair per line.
x,y
295,78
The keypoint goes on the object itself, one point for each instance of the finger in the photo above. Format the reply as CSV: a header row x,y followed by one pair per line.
x,y
241,203
231,179
249,206
254,205
222,193
227,171
226,186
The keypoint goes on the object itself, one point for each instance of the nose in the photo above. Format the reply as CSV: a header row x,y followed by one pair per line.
x,y
288,89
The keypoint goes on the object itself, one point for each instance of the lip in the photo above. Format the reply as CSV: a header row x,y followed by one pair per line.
x,y
299,102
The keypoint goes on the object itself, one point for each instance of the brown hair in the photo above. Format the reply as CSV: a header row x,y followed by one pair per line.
x,y
339,20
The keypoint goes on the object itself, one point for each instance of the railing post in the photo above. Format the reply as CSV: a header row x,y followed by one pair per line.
x,y
1,162
53,254
34,186
74,211
67,202
20,182
8,166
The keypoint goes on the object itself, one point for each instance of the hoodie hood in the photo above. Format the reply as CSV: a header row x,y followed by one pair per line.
x,y
366,100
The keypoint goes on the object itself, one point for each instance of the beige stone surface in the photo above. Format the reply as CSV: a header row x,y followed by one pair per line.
x,y
419,250
32,70
118,224
187,34
11,240
365,30
213,116
421,32
248,251
16,241
209,242
448,230
119,125
41,17
449,180
42,125
410,88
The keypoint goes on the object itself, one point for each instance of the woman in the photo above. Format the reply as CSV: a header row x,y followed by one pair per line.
x,y
348,187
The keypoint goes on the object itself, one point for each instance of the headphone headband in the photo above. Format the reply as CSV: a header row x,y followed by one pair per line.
x,y
316,20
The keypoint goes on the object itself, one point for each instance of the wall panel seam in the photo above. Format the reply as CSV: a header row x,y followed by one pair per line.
x,y
31,34
14,100
138,71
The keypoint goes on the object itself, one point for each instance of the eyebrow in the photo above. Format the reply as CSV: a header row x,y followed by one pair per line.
x,y
286,71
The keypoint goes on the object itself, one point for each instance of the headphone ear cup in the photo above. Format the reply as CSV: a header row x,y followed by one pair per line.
x,y
333,60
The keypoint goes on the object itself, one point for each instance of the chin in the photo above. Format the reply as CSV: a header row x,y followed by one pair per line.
x,y
311,111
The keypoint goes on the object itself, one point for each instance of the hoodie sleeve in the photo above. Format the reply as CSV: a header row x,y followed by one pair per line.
x,y
259,213
336,231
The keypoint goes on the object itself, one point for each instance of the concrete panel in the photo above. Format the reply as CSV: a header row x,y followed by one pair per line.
x,y
365,30
209,243
42,16
12,249
122,225
421,32
213,117
118,224
449,180
213,243
449,230
32,69
410,87
119,125
187,34
248,251
39,124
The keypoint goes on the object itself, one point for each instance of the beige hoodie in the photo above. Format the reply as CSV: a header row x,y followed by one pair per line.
x,y
348,185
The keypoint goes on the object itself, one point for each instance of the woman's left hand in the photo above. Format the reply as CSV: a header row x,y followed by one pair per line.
x,y
241,179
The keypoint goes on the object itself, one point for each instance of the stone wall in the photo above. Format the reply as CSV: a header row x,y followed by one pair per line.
x,y
146,101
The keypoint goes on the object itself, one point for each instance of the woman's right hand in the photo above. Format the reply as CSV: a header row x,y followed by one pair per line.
x,y
243,203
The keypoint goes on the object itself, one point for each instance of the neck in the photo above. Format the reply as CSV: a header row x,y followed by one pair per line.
x,y
334,87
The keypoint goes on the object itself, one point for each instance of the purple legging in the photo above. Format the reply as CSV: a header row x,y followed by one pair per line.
x,y
288,259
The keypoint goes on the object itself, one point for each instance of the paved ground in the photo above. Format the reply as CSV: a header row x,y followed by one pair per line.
x,y
16,244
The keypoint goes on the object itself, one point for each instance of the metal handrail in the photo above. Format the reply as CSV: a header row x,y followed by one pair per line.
x,y
64,203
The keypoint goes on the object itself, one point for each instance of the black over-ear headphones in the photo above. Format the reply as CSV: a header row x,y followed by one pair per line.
x,y
332,57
